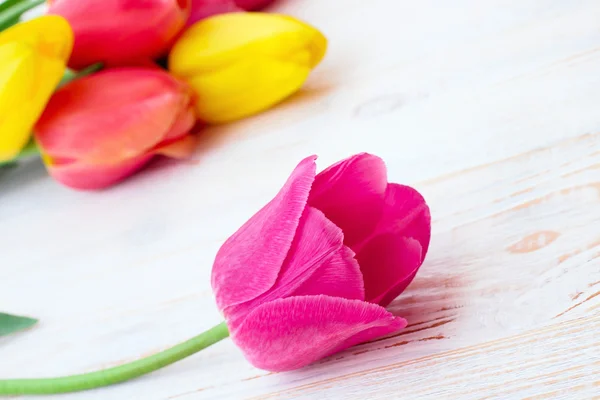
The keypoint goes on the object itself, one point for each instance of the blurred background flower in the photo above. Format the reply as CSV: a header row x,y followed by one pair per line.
x,y
118,32
32,62
240,64
99,129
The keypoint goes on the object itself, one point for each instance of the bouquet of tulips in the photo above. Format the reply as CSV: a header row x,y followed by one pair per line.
x,y
100,87
311,272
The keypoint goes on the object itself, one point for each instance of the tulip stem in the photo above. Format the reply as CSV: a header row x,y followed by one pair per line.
x,y
71,75
111,376
11,12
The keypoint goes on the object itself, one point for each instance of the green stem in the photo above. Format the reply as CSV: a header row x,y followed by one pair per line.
x,y
111,376
12,12
71,75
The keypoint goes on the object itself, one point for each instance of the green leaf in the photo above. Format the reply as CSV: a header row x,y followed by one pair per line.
x,y
8,4
14,323
12,12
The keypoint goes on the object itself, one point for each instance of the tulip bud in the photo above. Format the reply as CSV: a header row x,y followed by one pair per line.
x,y
33,55
117,32
327,253
99,129
239,64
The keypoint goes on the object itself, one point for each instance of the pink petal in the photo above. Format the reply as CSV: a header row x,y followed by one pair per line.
x,y
351,194
253,5
114,115
406,214
389,263
248,263
205,8
92,177
121,32
317,263
291,333
391,257
317,251
338,276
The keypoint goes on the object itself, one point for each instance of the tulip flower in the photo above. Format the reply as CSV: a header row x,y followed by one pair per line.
x,y
239,64
305,277
33,55
119,32
205,8
309,274
99,129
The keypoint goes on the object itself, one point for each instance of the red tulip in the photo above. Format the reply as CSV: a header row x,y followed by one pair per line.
x,y
117,32
205,8
309,274
99,129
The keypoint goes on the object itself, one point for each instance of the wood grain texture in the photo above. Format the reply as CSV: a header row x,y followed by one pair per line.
x,y
490,109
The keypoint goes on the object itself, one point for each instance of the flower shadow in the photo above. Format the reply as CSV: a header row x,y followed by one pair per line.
x,y
431,304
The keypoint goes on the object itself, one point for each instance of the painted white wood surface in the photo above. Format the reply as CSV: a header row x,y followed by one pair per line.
x,y
490,108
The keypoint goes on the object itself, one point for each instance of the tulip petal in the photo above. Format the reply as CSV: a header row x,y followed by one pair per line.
x,y
205,8
247,87
351,194
388,263
317,263
33,55
253,5
180,149
224,39
291,333
243,63
405,213
121,32
391,257
84,121
248,263
338,276
93,177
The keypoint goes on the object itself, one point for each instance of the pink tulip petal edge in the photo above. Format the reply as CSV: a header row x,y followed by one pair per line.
x,y
201,9
311,272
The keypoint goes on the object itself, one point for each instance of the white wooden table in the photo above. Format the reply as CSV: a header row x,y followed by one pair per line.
x,y
490,108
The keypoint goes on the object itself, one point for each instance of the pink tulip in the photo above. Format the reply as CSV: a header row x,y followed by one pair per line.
x,y
118,32
99,129
253,5
309,274
205,8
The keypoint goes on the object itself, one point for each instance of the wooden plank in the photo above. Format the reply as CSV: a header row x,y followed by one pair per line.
x,y
489,108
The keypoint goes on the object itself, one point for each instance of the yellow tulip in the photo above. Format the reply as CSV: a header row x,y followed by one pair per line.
x,y
239,64
33,56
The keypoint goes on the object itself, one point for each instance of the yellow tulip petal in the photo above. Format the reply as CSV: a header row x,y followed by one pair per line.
x,y
32,62
245,88
50,35
242,63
